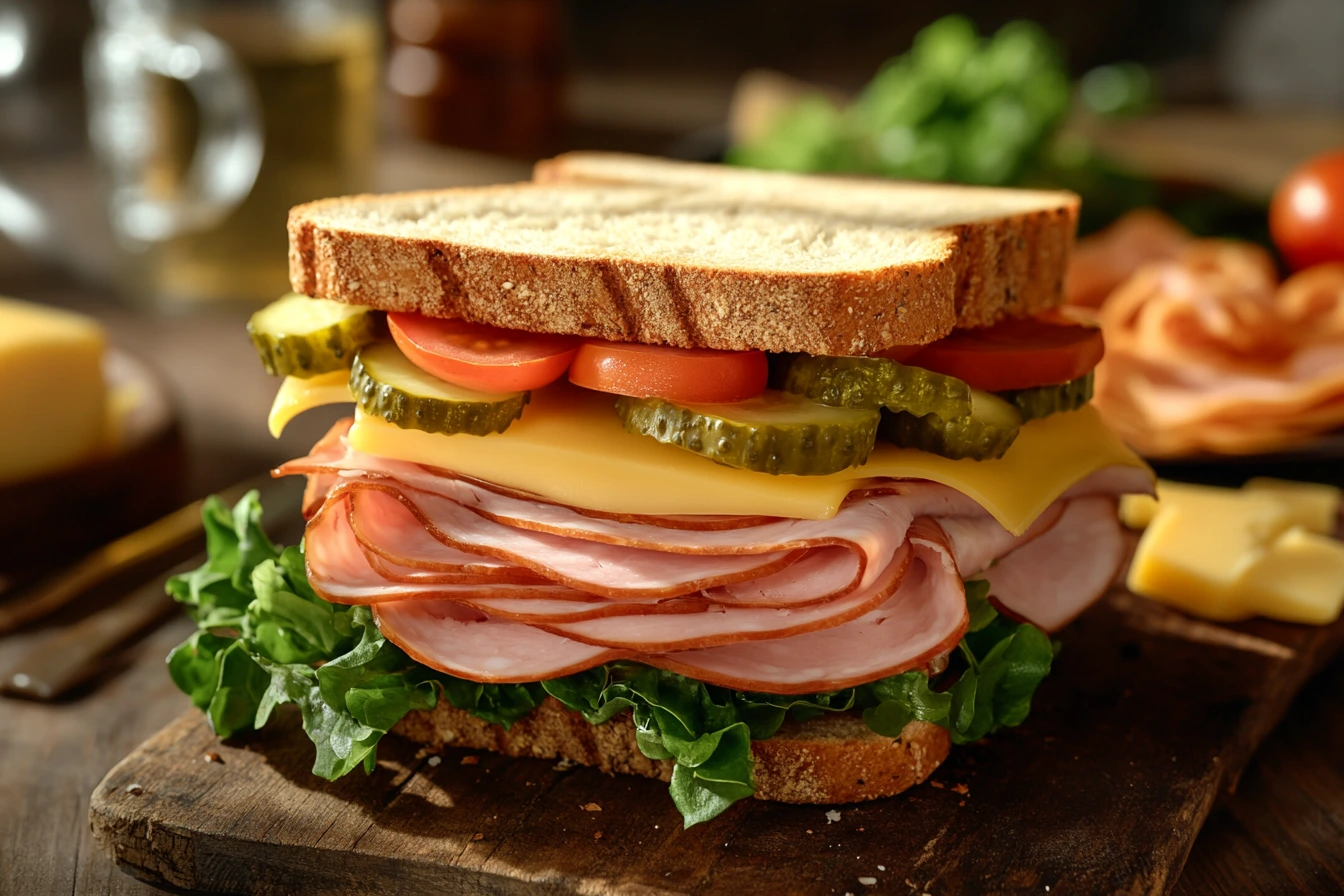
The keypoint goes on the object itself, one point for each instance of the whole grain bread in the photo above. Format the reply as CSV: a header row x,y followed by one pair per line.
x,y
698,258
834,758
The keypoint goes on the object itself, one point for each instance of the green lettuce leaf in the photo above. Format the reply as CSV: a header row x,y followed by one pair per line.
x,y
265,638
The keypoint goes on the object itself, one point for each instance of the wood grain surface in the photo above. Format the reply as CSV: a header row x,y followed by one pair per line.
x,y
1148,718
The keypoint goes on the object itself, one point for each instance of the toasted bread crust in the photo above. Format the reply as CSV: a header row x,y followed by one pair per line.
x,y
982,271
831,759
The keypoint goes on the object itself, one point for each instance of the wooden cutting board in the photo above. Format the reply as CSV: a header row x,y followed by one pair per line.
x,y
1147,718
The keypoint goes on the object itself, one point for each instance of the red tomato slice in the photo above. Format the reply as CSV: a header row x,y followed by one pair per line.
x,y
1015,354
691,375
479,356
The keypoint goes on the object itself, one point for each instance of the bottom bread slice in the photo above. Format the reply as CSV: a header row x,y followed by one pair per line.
x,y
834,758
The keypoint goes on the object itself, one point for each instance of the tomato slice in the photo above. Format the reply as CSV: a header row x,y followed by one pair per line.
x,y
691,375
479,356
1015,354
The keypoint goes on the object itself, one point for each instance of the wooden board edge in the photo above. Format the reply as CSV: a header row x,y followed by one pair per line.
x,y
156,854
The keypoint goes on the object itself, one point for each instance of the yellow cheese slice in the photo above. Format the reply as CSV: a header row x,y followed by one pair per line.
x,y
51,388
569,447
297,395
1313,506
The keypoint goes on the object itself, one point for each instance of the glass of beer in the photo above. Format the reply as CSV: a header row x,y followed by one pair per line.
x,y
212,118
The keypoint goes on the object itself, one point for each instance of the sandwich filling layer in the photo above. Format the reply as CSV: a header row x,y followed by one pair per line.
x,y
494,585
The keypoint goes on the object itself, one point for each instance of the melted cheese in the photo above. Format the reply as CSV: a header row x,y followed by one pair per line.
x,y
569,447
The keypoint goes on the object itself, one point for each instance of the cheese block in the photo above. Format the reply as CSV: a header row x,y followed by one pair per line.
x,y
1228,554
1300,578
1315,507
1310,505
52,389
569,447
1194,554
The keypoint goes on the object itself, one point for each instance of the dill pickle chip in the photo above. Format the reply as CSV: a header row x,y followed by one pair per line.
x,y
1046,400
385,384
775,432
853,382
301,336
985,433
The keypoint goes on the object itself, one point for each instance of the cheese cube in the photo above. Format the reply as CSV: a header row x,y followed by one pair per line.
x,y
1299,579
51,389
1315,507
1137,511
1195,553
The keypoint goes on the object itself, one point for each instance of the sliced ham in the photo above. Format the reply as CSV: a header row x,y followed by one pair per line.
x,y
491,585
387,516
727,624
461,641
924,619
340,571
1054,578
862,523
977,541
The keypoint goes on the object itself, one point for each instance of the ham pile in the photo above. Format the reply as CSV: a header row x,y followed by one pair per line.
x,y
495,586
1205,350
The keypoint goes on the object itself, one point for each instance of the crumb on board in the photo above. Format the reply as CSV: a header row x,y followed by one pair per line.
x,y
868,881
591,807
597,835
961,789
435,761
471,760
477,836
881,867
212,756
939,784
832,815
134,789
564,765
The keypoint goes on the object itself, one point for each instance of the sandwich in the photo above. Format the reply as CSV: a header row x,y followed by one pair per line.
x,y
759,484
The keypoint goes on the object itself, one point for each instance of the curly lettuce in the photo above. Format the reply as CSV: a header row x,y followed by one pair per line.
x,y
265,638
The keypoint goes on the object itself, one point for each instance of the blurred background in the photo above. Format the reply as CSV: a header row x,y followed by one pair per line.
x,y
151,148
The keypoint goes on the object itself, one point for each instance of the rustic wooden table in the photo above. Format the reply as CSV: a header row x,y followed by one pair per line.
x,y
1281,832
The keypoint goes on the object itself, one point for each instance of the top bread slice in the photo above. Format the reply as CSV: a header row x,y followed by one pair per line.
x,y
630,249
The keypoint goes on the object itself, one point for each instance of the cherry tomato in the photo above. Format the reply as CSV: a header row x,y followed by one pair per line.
x,y
1015,354
1306,216
478,356
691,375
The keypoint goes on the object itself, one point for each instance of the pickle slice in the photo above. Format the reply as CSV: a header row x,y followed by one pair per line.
x,y
852,382
385,384
776,432
1046,400
983,434
300,336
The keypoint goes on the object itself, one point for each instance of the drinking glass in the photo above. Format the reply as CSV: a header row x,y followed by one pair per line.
x,y
210,119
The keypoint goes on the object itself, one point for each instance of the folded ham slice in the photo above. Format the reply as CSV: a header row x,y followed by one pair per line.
x,y
728,624
922,621
1054,578
461,641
